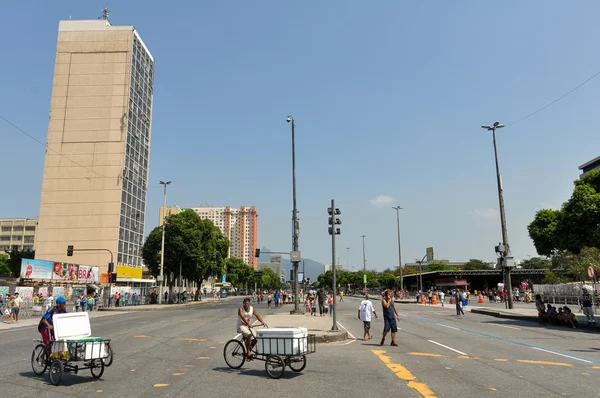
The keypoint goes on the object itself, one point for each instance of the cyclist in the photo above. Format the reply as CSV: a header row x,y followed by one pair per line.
x,y
47,323
244,324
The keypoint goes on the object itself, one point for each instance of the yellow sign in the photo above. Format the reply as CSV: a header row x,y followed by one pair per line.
x,y
124,271
430,250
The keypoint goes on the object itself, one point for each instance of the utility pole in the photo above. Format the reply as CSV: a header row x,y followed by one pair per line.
x,y
504,249
398,208
295,225
348,258
333,231
364,263
162,245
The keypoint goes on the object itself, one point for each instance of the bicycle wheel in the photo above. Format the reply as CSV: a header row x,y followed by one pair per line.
x,y
109,359
39,362
97,368
298,363
234,354
275,366
56,371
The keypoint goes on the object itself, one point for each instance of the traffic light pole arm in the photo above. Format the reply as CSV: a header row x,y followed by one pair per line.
x,y
96,250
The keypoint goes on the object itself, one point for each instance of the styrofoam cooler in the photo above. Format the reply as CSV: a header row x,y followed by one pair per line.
x,y
282,341
73,334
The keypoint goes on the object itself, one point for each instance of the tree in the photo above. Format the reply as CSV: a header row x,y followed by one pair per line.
x,y
387,279
542,231
551,278
14,260
406,271
475,264
238,272
325,280
536,263
198,242
4,267
437,267
270,280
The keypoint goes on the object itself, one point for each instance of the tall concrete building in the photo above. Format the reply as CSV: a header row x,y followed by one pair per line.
x,y
240,226
17,233
589,166
96,167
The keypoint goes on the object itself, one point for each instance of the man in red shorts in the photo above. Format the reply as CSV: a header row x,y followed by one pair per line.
x,y
46,325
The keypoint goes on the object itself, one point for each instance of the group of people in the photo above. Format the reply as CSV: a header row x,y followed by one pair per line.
x,y
366,311
86,302
321,299
13,306
564,316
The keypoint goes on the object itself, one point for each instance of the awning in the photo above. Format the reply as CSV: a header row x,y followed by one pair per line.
x,y
93,287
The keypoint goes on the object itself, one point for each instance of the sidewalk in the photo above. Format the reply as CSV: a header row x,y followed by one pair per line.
x,y
34,321
317,325
531,315
161,307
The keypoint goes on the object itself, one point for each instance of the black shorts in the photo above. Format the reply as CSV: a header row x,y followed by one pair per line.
x,y
367,325
389,325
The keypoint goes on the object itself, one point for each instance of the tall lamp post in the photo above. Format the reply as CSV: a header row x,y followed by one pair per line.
x,y
398,208
364,264
162,244
504,250
348,257
296,257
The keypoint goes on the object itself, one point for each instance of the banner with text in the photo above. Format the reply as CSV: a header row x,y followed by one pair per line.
x,y
88,274
36,269
65,272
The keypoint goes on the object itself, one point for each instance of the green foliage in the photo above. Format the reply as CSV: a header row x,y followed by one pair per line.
x,y
576,265
438,267
576,225
551,278
270,280
387,279
406,271
14,260
238,272
536,263
198,242
4,267
475,264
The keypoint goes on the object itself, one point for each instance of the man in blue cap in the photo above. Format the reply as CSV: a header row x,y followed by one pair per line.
x,y
47,322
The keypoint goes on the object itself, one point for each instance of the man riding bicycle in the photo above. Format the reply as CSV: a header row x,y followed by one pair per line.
x,y
47,323
244,324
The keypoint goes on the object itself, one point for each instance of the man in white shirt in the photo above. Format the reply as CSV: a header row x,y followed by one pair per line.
x,y
17,306
49,301
365,311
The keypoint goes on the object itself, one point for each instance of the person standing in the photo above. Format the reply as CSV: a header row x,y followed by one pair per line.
x,y
321,300
365,312
17,307
331,307
441,294
459,304
587,303
390,315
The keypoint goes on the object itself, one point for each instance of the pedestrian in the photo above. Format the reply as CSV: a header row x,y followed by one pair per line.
x,y
365,311
586,302
321,300
441,294
331,307
459,303
390,315
326,305
18,301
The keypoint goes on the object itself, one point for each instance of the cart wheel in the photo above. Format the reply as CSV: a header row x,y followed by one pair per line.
x,y
298,363
39,362
275,366
97,368
234,354
56,372
109,359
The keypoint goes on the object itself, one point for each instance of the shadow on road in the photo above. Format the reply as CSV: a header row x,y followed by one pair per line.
x,y
256,372
68,378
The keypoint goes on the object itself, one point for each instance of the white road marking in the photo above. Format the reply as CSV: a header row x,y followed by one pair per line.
x,y
350,342
506,326
562,355
445,346
349,334
449,327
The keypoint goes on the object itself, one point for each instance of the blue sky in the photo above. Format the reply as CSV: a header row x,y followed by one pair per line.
x,y
388,98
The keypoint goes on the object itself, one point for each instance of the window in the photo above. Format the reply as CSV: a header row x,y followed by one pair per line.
x,y
28,239
17,228
17,238
6,229
28,248
5,238
30,228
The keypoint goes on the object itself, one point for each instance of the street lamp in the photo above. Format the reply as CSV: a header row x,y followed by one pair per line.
x,y
364,264
296,257
180,279
162,245
348,257
398,208
421,272
505,254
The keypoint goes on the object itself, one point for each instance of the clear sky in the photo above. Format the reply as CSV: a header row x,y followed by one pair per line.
x,y
388,98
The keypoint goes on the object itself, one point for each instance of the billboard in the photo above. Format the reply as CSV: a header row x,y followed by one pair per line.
x,y
88,274
36,269
124,271
26,293
430,254
64,272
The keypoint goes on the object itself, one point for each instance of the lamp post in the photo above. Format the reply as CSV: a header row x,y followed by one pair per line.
x,y
398,208
364,264
421,273
162,245
348,257
295,225
505,253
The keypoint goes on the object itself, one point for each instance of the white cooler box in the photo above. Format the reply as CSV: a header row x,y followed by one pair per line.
x,y
72,332
282,341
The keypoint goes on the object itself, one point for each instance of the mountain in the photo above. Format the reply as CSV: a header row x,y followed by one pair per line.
x,y
312,268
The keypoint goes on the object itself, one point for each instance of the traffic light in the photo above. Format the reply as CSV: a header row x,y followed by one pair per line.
x,y
257,253
70,250
113,277
333,220
111,267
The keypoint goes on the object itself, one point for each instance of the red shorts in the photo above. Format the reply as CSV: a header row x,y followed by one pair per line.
x,y
45,335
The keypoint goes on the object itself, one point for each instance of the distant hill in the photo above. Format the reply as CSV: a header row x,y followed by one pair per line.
x,y
312,268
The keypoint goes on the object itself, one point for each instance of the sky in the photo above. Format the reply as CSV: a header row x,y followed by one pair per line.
x,y
388,98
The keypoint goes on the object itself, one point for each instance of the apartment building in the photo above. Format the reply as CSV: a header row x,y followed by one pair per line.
x,y
17,233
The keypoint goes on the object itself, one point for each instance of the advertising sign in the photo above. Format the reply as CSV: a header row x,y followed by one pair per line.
x,y
104,278
430,254
64,272
26,293
3,291
591,272
43,292
36,269
58,291
124,271
88,274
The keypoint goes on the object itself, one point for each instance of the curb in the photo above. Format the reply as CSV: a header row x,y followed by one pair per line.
x,y
528,318
330,337
163,308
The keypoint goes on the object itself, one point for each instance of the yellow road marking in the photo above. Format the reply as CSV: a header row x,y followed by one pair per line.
x,y
447,368
160,385
501,359
202,358
188,339
425,354
595,367
141,336
404,374
492,389
587,374
464,357
99,390
544,362
176,374
213,347
132,370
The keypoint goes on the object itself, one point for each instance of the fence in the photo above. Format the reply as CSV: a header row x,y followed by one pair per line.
x,y
564,293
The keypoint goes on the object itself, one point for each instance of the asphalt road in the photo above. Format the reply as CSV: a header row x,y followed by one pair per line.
x,y
179,353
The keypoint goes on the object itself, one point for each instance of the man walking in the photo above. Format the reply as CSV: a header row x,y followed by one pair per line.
x,y
321,299
365,311
389,317
17,307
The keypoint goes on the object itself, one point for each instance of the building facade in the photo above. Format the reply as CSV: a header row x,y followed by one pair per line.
x,y
240,226
338,267
97,161
589,166
17,233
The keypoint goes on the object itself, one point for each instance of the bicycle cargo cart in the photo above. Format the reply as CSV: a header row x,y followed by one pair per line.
x,y
73,349
277,347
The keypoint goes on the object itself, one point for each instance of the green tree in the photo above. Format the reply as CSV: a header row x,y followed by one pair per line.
x,y
551,278
542,231
238,272
475,264
4,267
437,267
406,271
197,242
270,280
325,280
536,263
387,279
14,260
